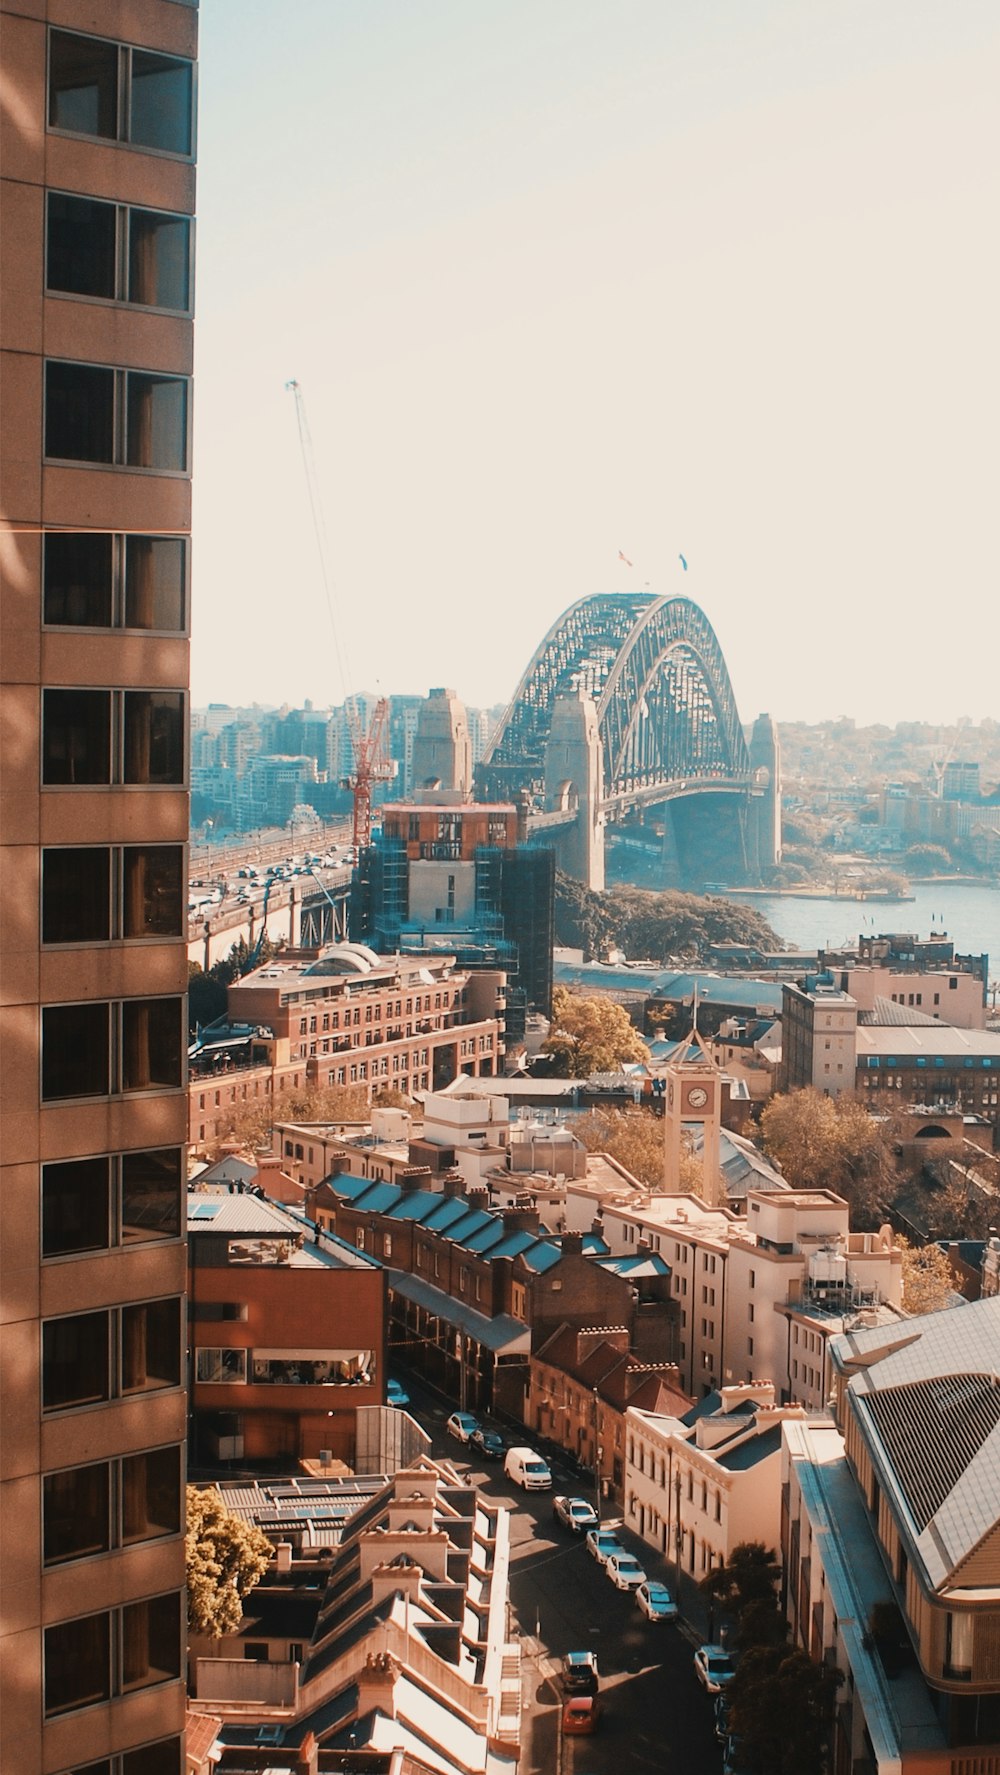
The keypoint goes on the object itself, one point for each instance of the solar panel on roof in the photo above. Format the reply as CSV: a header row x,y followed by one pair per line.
x,y
204,1210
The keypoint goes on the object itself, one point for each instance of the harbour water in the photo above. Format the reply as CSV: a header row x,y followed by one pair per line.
x,y
968,911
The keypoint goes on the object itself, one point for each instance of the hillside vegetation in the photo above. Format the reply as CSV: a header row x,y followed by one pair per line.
x,y
663,928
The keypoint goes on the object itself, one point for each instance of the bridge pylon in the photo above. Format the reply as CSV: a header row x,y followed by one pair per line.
x,y
573,781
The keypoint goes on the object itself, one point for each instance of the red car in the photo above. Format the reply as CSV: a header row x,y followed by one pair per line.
x,y
581,1713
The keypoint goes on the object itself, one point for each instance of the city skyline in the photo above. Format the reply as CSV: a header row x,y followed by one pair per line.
x,y
560,284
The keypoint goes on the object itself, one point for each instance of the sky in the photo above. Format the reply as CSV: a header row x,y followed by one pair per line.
x,y
563,278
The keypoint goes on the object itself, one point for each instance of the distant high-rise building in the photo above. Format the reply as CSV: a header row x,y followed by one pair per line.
x,y
96,199
960,781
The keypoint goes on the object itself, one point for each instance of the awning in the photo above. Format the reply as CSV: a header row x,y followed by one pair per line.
x,y
504,1335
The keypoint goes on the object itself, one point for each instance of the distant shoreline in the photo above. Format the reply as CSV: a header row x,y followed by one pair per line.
x,y
851,895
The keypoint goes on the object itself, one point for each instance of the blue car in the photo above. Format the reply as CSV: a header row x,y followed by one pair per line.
x,y
396,1394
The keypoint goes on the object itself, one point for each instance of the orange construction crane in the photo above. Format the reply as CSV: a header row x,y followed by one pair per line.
x,y
371,765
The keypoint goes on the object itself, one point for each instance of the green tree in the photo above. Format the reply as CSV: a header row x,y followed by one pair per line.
x,y
832,1143
226,1557
660,926
252,1124
750,1575
590,1035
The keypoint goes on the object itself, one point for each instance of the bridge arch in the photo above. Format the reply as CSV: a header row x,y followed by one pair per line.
x,y
666,709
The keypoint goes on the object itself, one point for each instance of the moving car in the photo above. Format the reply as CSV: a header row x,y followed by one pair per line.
x,y
579,1673
527,1469
396,1394
581,1713
625,1571
601,1544
575,1514
462,1425
713,1667
655,1601
489,1443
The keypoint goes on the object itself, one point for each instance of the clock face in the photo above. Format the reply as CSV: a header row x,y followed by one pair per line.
x,y
697,1097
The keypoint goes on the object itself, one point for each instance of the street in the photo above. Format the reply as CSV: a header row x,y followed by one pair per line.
x,y
656,1715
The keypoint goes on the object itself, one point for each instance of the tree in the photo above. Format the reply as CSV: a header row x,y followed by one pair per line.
x,y
634,1137
589,1035
226,1557
661,926
750,1575
928,1284
780,1707
832,1143
252,1124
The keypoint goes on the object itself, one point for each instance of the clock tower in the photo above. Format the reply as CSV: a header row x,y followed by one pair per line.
x,y
693,1100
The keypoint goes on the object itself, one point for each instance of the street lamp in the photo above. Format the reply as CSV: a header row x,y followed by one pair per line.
x,y
597,1458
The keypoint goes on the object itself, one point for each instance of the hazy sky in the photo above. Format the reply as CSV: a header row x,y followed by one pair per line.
x,y
564,277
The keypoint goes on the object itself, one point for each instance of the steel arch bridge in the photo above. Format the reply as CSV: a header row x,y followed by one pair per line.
x,y
666,712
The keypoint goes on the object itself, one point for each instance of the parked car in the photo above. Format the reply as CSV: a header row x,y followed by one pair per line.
x,y
527,1469
581,1713
462,1425
579,1673
575,1514
713,1667
396,1394
601,1544
625,1571
655,1601
489,1443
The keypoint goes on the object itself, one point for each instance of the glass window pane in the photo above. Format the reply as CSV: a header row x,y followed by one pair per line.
x,y
154,583
159,259
79,412
151,1352
76,736
77,1663
76,894
215,1365
83,84
76,1198
152,1186
153,900
151,1043
75,1367
151,1641
75,1051
156,425
161,109
151,1495
81,240
163,1757
154,736
76,1512
78,580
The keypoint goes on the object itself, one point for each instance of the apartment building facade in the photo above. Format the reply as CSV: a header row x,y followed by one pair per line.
x,y
96,205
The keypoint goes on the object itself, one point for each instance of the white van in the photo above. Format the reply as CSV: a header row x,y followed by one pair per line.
x,y
527,1469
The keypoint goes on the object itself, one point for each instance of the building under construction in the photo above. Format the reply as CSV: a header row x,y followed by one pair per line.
x,y
453,876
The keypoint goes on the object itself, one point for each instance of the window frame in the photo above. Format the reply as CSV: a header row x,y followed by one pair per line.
x,y
119,462
122,254
115,1220
117,737
116,1048
119,584
116,855
125,52
116,1392
117,1686
117,1538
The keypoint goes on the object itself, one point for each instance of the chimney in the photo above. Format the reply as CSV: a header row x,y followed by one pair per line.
x,y
377,1683
415,1177
452,1184
283,1556
520,1220
572,1244
307,1762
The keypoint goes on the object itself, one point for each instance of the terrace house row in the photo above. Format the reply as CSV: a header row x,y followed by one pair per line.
x,y
471,1291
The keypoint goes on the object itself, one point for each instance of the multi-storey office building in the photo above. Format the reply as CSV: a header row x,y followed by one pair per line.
x,y
97,165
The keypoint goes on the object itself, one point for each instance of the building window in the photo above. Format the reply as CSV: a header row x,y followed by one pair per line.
x,y
106,89
92,1204
100,1656
92,1509
215,1366
98,581
92,1357
97,893
118,254
97,1049
121,418
99,737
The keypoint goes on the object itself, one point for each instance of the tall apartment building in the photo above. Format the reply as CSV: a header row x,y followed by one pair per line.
x,y
97,194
